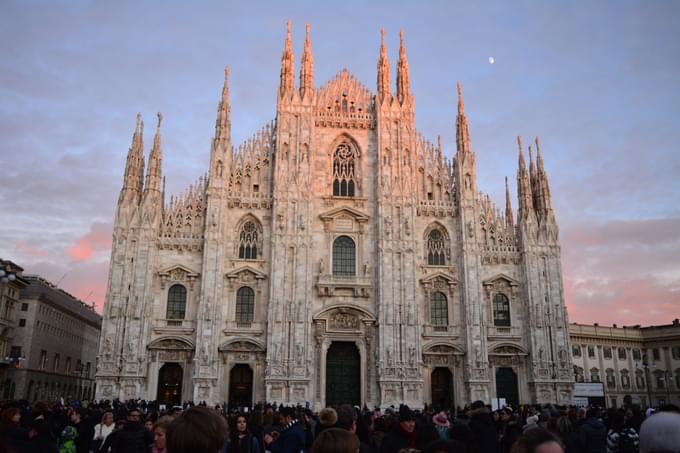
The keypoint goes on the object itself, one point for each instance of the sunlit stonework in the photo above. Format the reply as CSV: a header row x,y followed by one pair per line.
x,y
336,256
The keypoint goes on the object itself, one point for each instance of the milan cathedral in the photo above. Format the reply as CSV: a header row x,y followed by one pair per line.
x,y
337,256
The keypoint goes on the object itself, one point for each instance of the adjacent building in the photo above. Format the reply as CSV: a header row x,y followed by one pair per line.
x,y
635,364
56,339
11,284
337,256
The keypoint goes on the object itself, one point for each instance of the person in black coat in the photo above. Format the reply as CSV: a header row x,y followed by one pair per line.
x,y
403,435
593,433
41,439
291,439
483,428
134,437
84,428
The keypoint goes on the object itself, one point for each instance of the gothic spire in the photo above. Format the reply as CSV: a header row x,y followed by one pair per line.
x,y
153,174
307,66
223,122
134,165
383,70
462,130
523,185
542,180
287,66
508,206
403,78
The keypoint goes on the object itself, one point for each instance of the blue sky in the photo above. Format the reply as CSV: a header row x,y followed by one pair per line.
x,y
597,81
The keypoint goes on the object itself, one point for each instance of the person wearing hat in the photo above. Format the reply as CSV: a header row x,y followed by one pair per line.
x,y
403,435
441,423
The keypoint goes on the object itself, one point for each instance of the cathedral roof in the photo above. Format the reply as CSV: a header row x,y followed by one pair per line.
x,y
345,99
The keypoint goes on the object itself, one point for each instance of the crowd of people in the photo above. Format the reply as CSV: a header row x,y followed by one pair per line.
x,y
148,427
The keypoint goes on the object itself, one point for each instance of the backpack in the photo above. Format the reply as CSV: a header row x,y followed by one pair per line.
x,y
626,443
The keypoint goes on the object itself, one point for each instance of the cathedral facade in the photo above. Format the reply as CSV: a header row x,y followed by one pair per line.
x,y
335,257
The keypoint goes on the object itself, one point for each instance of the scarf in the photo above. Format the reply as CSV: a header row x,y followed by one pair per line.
x,y
410,437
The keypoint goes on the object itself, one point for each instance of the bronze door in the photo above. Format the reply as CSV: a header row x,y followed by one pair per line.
x,y
343,374
241,386
170,384
442,388
506,386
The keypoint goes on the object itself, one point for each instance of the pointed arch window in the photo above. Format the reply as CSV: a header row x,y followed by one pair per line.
x,y
177,302
245,305
439,309
344,256
344,171
248,241
436,249
501,310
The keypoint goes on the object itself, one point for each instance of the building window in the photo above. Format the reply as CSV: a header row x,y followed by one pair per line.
x,y
245,305
344,176
68,365
675,351
87,370
43,359
24,306
636,355
655,354
439,309
177,302
436,249
611,380
501,310
660,381
677,379
607,352
591,352
622,354
576,350
578,374
55,365
594,375
639,379
248,241
22,322
625,379
344,256
15,352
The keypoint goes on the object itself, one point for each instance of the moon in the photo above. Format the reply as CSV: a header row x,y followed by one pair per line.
x,y
491,60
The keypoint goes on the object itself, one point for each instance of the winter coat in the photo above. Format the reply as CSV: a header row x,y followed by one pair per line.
x,y
484,431
593,436
290,440
614,438
133,438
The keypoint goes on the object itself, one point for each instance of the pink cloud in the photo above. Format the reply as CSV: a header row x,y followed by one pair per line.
x,y
97,239
27,249
623,272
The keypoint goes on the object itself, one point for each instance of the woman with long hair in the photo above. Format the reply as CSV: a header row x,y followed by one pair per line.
x,y
102,431
336,440
241,440
160,428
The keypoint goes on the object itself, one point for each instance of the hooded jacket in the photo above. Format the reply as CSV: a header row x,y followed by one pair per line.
x,y
593,436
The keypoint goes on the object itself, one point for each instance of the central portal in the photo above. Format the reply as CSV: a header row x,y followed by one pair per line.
x,y
241,386
343,374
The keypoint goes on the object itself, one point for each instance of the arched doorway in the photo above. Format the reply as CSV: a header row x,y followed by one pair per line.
x,y
506,386
241,386
170,384
442,388
343,374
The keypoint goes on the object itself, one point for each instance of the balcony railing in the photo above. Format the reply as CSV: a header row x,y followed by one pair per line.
x,y
185,326
504,332
360,285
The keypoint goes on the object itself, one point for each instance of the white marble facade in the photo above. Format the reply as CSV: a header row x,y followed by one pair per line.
x,y
336,222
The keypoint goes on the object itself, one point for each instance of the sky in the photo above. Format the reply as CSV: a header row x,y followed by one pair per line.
x,y
597,81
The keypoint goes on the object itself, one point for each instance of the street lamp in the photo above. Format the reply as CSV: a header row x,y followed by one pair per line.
x,y
13,361
646,367
7,276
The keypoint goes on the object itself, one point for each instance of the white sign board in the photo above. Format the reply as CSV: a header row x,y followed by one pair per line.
x,y
588,389
498,403
579,401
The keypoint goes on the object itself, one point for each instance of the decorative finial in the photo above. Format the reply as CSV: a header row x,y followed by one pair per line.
x,y
461,105
160,118
226,73
519,143
307,30
288,25
538,146
382,36
401,38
